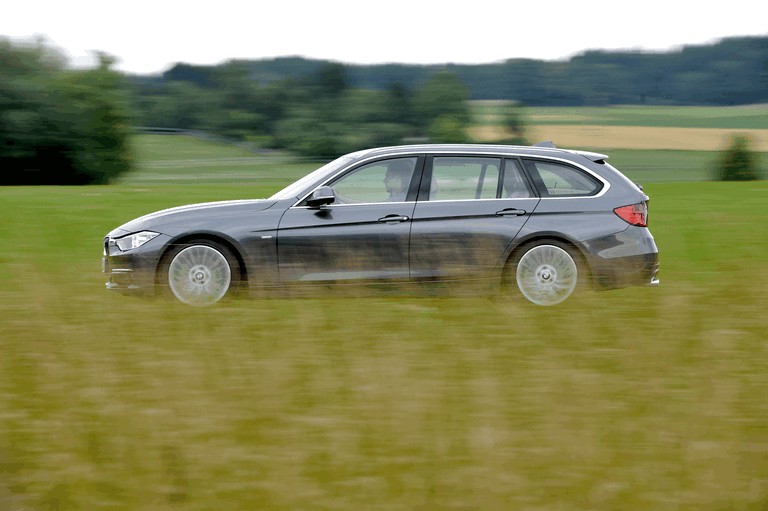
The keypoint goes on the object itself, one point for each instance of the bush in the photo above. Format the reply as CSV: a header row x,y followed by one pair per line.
x,y
738,162
57,126
447,129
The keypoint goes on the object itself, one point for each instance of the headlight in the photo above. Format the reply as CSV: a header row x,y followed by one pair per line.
x,y
135,240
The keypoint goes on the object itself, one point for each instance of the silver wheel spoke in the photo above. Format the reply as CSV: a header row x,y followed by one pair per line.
x,y
199,275
546,275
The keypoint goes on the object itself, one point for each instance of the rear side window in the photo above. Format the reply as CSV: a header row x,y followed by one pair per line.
x,y
560,180
462,178
514,185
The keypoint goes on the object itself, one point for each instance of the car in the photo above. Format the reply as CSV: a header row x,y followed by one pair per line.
x,y
536,222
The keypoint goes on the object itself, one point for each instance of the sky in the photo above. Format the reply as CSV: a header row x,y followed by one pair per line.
x,y
149,37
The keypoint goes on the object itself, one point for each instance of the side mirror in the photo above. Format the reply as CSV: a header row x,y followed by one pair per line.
x,y
321,197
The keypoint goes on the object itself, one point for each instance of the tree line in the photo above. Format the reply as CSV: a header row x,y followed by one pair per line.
x,y
732,71
319,114
65,126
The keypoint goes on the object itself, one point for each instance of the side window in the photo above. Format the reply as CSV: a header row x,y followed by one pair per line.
x,y
514,185
381,181
461,178
559,180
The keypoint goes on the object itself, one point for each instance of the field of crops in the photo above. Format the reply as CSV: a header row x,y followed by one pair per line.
x,y
632,127
633,399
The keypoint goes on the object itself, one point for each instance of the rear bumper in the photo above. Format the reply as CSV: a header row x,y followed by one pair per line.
x,y
654,279
629,258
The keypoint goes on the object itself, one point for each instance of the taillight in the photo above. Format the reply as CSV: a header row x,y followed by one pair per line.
x,y
635,214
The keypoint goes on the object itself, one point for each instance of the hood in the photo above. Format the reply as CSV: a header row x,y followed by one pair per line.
x,y
167,220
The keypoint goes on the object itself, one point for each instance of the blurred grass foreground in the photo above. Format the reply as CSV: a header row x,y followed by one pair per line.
x,y
634,399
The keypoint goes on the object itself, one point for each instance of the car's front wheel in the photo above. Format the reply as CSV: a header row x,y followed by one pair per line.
x,y
200,273
546,273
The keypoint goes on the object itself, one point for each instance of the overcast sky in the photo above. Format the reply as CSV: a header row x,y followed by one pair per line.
x,y
150,36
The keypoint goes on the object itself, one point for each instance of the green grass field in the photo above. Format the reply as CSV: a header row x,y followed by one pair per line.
x,y
632,399
174,160
736,117
190,160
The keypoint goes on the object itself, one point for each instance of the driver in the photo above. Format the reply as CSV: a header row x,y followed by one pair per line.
x,y
397,180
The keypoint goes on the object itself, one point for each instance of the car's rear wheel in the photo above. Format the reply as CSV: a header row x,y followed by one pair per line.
x,y
200,273
547,273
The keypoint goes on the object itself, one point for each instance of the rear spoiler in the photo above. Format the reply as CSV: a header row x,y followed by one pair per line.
x,y
595,157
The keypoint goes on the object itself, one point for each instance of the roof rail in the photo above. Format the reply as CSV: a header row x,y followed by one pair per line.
x,y
546,143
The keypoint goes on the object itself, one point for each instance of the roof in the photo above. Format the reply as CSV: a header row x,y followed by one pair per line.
x,y
535,150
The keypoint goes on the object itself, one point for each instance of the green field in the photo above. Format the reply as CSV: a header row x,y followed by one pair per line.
x,y
186,159
633,399
736,117
166,160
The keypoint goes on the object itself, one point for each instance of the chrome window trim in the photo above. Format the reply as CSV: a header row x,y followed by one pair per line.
x,y
606,184
427,202
355,204
479,200
491,153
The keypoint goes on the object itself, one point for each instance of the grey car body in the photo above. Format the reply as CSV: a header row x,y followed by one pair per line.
x,y
464,213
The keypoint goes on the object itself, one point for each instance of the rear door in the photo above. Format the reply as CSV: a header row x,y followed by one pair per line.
x,y
470,209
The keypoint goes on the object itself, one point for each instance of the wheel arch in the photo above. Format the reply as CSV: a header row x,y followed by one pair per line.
x,y
203,236
540,239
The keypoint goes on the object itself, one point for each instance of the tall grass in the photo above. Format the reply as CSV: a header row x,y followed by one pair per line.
x,y
633,399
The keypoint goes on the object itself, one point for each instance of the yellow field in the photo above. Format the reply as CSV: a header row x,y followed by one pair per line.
x,y
631,137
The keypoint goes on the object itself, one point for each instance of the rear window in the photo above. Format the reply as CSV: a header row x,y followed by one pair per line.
x,y
560,180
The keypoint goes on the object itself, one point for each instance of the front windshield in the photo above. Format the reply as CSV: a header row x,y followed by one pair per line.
x,y
296,188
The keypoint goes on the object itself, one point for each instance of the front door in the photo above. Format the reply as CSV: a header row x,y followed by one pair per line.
x,y
362,235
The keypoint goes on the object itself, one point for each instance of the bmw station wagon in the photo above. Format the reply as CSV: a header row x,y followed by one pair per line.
x,y
537,222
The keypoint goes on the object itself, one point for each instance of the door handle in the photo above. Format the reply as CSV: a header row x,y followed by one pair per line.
x,y
393,219
511,212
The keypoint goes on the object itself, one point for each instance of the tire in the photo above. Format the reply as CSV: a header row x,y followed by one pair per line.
x,y
547,272
200,273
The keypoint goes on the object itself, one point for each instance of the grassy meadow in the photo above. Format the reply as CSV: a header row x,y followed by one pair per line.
x,y
631,399
735,117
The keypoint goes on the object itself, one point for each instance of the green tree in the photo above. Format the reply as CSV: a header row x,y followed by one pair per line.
x,y
330,80
399,104
93,124
59,126
446,129
513,124
441,105
738,162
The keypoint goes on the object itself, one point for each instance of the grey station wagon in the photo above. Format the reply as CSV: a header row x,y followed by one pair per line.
x,y
537,221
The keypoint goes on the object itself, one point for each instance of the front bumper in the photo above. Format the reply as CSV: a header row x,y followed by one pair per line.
x,y
132,271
